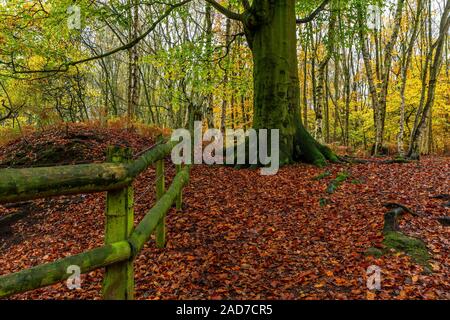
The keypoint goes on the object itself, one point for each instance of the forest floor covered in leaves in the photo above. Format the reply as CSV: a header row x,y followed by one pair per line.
x,y
241,235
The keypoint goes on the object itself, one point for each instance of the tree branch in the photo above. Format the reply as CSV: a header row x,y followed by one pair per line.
x,y
246,4
65,66
228,13
314,13
8,115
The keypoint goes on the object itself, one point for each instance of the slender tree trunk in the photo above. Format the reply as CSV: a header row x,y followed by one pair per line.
x,y
336,96
369,71
225,78
347,87
244,113
327,108
208,53
320,87
404,76
387,63
133,57
233,115
421,119
305,90
379,99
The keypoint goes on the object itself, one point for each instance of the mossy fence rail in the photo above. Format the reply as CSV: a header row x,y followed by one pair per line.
x,y
122,241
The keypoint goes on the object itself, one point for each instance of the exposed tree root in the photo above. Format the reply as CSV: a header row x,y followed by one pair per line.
x,y
394,205
444,197
445,221
309,150
24,211
391,220
398,241
349,159
441,196
304,149
13,217
398,160
17,204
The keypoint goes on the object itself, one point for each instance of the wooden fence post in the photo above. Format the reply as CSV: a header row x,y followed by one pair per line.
x,y
160,231
179,202
118,282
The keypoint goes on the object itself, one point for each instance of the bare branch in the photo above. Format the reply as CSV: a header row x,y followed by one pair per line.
x,y
314,13
226,12
65,66
246,4
8,115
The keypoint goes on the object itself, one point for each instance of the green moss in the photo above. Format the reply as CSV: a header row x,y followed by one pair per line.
x,y
400,242
413,247
323,175
320,163
400,160
323,202
372,251
328,153
308,147
340,178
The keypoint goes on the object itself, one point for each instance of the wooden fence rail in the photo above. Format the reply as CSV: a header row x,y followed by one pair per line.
x,y
122,241
32,183
50,273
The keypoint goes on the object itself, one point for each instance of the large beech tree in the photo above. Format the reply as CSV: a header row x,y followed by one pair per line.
x,y
270,29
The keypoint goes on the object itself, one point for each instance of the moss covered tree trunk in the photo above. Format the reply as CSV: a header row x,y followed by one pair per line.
x,y
271,32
